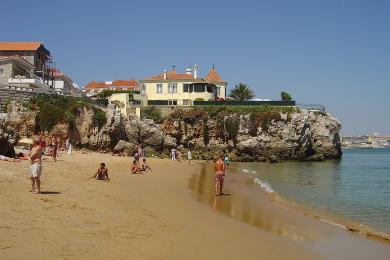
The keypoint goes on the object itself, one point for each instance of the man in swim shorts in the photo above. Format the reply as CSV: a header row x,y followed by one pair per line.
x,y
35,167
219,168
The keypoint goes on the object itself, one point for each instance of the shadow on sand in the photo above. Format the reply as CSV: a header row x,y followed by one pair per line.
x,y
50,192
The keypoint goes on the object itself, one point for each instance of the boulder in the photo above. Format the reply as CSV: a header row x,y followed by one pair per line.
x,y
124,147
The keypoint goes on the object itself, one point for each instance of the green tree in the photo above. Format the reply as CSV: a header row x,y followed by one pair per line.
x,y
285,96
242,92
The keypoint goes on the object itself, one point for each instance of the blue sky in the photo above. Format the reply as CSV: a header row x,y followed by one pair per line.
x,y
330,52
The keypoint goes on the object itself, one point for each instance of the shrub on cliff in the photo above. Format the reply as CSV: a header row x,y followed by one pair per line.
x,y
152,112
232,127
49,115
54,108
100,117
262,119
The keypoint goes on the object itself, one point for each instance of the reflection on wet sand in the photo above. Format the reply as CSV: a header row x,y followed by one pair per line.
x,y
243,208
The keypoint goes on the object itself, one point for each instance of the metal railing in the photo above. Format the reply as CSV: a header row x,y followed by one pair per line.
x,y
315,107
244,103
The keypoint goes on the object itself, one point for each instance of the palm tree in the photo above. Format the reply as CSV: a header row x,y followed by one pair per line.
x,y
285,96
242,92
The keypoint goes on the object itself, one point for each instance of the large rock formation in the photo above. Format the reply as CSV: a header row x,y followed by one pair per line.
x,y
303,135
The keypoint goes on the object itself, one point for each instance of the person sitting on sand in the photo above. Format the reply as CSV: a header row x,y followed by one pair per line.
x,y
145,166
102,173
219,168
135,168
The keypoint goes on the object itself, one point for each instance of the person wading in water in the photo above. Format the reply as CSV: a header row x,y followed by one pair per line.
x,y
219,168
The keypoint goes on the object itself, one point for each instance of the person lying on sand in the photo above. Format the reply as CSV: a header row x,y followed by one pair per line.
x,y
145,166
102,173
8,159
135,168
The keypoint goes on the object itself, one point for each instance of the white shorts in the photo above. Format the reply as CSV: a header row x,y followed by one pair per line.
x,y
35,169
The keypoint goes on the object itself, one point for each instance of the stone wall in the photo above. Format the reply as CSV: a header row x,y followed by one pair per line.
x,y
7,73
7,95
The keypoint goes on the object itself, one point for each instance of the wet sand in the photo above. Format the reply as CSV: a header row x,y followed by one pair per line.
x,y
250,204
155,216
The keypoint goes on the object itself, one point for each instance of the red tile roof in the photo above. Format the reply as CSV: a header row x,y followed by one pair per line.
x,y
94,84
172,74
130,83
20,46
213,76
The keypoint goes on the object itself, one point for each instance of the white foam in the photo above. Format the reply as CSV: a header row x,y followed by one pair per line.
x,y
245,170
253,172
264,185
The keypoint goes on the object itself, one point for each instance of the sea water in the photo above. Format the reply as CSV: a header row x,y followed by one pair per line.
x,y
357,187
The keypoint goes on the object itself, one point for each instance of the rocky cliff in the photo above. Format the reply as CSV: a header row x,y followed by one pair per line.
x,y
300,135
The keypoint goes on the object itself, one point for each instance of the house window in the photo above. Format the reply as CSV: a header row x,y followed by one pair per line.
x,y
209,89
1,72
199,88
159,88
188,88
172,102
186,102
172,88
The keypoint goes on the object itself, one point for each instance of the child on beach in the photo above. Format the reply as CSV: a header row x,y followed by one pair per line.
x,y
227,161
135,168
102,173
145,166
178,156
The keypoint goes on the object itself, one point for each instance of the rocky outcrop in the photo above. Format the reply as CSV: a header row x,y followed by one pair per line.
x,y
8,137
304,135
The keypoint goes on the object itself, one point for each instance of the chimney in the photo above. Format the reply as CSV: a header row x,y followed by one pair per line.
x,y
165,74
188,71
195,71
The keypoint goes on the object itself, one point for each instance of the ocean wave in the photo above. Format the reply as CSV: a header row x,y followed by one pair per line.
x,y
245,170
264,185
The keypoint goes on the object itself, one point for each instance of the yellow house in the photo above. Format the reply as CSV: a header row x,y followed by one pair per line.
x,y
127,106
172,88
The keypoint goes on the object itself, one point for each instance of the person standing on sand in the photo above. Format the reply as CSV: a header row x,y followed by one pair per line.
x,y
54,145
173,154
227,161
189,156
219,168
35,167
68,146
178,155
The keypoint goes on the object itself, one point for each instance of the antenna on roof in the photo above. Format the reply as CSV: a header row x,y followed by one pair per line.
x,y
213,66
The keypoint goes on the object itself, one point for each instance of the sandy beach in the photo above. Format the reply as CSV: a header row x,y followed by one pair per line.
x,y
171,213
